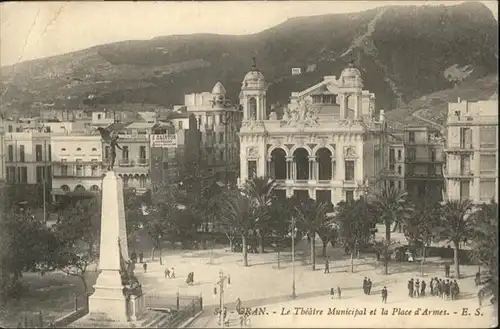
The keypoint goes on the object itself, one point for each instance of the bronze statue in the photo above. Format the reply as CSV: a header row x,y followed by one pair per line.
x,y
113,144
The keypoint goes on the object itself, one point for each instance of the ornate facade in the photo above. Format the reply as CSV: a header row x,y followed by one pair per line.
x,y
325,144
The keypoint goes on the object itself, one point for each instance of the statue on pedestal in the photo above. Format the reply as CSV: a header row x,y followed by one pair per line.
x,y
113,144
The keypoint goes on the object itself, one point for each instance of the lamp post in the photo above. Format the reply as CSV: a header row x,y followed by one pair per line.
x,y
292,234
222,279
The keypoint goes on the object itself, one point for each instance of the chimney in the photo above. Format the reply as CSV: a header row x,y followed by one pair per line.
x,y
381,116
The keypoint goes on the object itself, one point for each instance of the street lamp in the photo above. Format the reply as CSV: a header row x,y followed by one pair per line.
x,y
292,234
222,279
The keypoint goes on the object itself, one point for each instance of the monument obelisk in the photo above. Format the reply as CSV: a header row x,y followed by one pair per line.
x,y
108,301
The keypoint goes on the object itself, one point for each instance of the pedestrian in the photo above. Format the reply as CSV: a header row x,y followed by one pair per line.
x,y
431,285
369,286
447,270
332,292
327,266
365,281
457,288
452,290
447,289
416,288
167,273
238,305
384,295
410,288
133,257
339,292
172,273
422,291
477,280
145,267
141,256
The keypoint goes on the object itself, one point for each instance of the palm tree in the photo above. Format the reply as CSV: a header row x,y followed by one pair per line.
x,y
392,207
455,225
485,248
240,216
420,226
261,191
312,217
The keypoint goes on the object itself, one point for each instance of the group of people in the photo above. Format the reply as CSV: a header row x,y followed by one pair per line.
x,y
444,288
367,285
133,257
169,273
339,292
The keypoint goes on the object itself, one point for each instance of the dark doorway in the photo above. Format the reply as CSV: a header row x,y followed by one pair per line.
x,y
301,158
324,157
278,164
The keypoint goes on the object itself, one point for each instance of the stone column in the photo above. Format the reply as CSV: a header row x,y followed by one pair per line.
x,y
269,167
312,168
289,168
342,102
334,169
357,105
340,164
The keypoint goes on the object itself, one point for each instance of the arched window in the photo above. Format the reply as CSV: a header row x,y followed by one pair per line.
x,y
78,149
63,149
399,170
65,188
94,149
94,188
79,188
252,108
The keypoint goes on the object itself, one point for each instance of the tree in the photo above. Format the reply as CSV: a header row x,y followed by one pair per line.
x,y
134,216
392,207
25,245
355,223
455,225
261,191
311,217
420,226
78,231
485,248
280,215
239,215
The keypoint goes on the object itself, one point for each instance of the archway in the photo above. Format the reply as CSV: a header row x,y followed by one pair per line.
x,y
125,180
252,108
301,159
79,188
94,188
278,164
142,181
324,158
65,188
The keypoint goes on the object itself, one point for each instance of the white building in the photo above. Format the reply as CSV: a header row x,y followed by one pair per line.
x,y
323,147
27,157
472,151
219,122
77,164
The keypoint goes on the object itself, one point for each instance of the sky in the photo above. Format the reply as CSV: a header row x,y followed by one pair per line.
x,y
31,30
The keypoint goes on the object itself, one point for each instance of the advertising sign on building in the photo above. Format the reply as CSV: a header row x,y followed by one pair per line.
x,y
163,140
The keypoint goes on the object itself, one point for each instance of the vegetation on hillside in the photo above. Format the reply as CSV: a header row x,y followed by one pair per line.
x,y
403,53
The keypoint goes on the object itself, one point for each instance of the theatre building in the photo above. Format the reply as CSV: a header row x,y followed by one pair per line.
x,y
324,145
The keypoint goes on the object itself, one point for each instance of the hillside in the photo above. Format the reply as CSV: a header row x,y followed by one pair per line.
x,y
434,106
403,52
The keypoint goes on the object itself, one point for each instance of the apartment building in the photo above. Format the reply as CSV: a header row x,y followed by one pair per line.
x,y
132,162
219,122
424,161
472,151
27,162
76,164
175,150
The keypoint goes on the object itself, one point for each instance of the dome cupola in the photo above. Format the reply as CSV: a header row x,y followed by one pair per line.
x,y
254,79
351,76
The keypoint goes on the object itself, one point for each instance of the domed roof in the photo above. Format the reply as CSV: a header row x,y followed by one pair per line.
x,y
350,72
219,89
254,75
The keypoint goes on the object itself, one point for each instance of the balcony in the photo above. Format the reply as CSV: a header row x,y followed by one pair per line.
x,y
125,163
208,127
465,174
142,162
488,147
459,148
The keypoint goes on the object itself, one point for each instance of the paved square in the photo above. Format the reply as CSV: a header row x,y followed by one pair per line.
x,y
262,285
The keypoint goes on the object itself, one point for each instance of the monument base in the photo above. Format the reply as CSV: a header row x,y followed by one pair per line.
x,y
148,319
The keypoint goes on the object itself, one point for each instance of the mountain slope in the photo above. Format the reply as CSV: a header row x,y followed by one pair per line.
x,y
403,53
